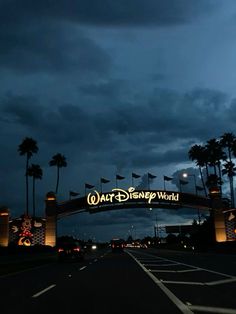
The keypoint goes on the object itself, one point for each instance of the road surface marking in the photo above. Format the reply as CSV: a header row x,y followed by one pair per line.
x,y
188,265
82,267
183,308
148,265
214,310
184,282
219,282
175,271
42,291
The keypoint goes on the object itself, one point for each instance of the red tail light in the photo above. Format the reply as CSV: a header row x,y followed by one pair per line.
x,y
60,250
76,249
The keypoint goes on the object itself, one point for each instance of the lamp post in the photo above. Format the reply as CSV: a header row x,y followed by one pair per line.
x,y
186,175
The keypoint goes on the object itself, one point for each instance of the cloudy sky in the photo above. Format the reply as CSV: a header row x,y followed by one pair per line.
x,y
116,87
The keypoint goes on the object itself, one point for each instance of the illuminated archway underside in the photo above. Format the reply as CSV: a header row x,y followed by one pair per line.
x,y
123,199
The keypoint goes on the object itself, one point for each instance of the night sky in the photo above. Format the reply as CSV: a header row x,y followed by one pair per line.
x,y
116,87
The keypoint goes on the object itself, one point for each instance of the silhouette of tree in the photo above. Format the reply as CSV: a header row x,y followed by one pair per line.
x,y
197,153
59,161
36,172
228,141
230,170
28,147
215,155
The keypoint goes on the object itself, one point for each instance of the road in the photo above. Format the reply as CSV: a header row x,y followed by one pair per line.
x,y
136,281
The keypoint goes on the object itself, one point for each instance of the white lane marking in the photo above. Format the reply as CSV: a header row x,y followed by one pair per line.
x,y
168,264
214,310
219,282
43,291
96,260
188,303
184,282
188,265
175,271
182,307
82,267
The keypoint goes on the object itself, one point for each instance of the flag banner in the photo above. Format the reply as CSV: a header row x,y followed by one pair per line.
x,y
151,176
183,182
168,178
73,193
119,177
199,188
88,186
103,180
136,176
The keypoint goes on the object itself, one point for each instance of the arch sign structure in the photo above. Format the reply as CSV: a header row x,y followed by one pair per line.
x,y
131,198
122,199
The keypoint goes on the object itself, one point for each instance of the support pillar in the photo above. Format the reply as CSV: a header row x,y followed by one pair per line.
x,y
4,226
51,219
219,220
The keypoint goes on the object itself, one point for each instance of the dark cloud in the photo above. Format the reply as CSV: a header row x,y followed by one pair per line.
x,y
51,47
158,133
115,13
110,89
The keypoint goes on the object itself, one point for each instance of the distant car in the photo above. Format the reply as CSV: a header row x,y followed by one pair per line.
x,y
90,247
117,245
70,250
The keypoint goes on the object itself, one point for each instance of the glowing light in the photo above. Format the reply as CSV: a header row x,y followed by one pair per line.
x,y
120,195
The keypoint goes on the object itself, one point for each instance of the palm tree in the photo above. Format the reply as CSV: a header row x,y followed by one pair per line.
x,y
28,147
59,161
36,172
215,155
230,170
228,141
197,153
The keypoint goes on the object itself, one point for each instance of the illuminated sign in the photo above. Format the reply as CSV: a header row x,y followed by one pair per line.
x,y
120,195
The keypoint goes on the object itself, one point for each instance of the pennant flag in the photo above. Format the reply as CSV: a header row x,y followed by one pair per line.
x,y
151,176
199,188
119,177
136,176
104,180
183,182
73,193
88,186
168,178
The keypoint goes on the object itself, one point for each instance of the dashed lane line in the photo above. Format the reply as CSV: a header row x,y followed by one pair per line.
x,y
43,291
82,267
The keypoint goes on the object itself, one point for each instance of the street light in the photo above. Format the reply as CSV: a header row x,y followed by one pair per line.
x,y
186,175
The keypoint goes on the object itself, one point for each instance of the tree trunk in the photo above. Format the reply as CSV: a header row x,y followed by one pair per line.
x,y
27,186
57,179
33,197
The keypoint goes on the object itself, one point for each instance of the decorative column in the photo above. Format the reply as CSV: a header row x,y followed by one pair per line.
x,y
51,219
219,218
4,226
